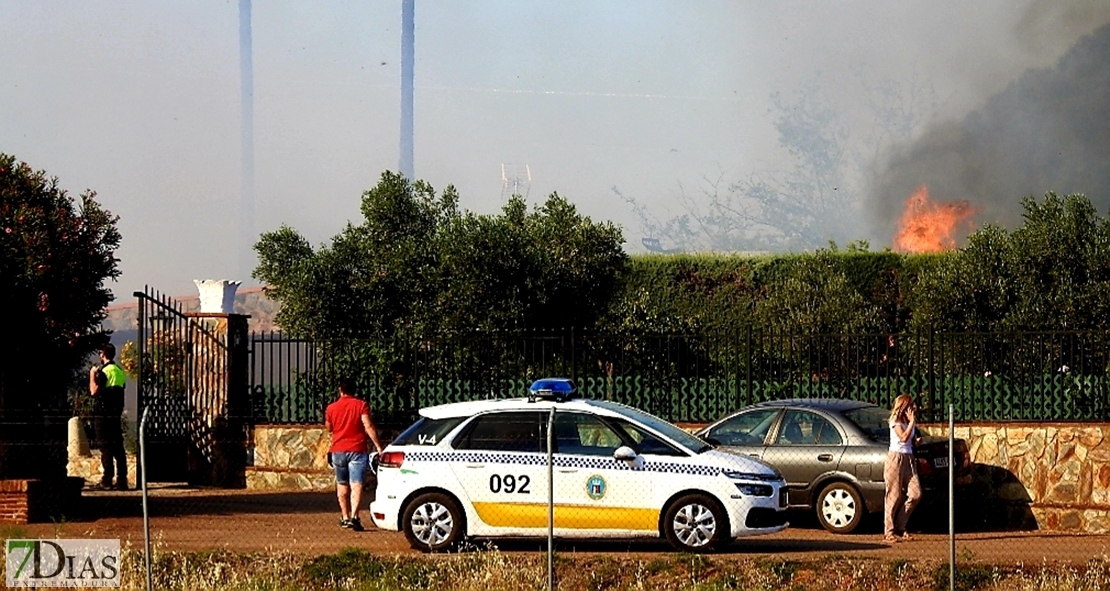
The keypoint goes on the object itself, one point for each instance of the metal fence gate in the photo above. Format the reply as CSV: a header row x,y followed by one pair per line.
x,y
192,380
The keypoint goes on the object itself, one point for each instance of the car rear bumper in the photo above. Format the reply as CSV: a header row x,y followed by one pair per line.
x,y
384,515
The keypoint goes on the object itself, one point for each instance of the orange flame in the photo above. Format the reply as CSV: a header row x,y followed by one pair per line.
x,y
928,226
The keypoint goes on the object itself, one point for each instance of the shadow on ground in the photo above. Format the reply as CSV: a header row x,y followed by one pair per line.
x,y
991,499
754,545
988,499
171,502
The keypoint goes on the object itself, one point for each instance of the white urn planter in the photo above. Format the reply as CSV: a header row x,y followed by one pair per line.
x,y
217,296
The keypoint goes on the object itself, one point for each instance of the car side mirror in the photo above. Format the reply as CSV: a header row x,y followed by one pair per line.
x,y
624,453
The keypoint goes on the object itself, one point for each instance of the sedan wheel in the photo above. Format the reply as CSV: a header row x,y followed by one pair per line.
x,y
839,508
695,523
432,522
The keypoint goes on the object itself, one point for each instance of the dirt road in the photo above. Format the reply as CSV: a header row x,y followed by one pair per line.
x,y
305,522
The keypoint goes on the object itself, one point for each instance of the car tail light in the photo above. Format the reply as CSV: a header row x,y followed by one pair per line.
x,y
924,467
963,455
391,459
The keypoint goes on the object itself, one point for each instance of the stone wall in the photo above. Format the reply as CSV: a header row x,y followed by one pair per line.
x,y
1050,476
290,457
89,468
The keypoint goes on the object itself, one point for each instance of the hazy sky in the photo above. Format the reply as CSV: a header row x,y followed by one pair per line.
x,y
139,100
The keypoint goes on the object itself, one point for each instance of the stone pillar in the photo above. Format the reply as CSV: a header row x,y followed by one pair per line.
x,y
78,441
218,400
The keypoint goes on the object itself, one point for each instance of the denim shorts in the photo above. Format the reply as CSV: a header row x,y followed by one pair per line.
x,y
350,465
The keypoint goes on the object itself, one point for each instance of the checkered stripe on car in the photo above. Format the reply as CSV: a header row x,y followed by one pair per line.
x,y
682,469
600,463
477,457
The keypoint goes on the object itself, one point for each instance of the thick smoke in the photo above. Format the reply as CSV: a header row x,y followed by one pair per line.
x,y
1047,131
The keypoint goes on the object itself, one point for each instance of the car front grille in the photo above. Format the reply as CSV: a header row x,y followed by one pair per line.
x,y
761,517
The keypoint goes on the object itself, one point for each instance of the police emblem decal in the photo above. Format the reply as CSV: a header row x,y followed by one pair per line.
x,y
596,487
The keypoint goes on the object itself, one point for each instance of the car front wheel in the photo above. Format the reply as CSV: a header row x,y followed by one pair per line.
x,y
433,522
695,523
840,508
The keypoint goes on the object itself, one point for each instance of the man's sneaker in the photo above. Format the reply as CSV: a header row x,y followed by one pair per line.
x,y
345,523
355,524
121,485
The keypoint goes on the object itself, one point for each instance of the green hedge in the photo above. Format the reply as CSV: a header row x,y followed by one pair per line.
x,y
679,292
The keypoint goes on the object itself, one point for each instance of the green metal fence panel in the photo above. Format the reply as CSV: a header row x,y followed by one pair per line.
x,y
698,378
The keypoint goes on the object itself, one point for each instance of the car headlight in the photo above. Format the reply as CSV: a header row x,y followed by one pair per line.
x,y
753,489
734,475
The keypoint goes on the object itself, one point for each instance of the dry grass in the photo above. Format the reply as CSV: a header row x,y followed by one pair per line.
x,y
491,570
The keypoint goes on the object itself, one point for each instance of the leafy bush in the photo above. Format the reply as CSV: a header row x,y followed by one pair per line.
x,y
56,253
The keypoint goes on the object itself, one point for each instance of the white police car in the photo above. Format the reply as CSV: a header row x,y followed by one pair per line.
x,y
481,469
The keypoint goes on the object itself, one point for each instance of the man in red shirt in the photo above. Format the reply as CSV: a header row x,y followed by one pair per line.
x,y
348,421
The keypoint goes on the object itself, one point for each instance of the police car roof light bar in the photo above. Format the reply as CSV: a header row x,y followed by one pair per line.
x,y
557,389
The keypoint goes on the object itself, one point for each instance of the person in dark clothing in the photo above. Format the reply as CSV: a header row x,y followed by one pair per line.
x,y
106,385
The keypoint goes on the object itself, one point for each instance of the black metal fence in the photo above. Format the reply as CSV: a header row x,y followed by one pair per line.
x,y
1020,376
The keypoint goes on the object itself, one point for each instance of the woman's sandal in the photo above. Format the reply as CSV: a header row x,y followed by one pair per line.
x,y
906,537
891,539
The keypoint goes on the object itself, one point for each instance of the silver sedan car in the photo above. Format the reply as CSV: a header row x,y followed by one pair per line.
x,y
831,453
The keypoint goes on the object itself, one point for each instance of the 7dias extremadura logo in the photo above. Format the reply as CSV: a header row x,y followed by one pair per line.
x,y
62,563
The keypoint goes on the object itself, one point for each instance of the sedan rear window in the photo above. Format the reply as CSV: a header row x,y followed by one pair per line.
x,y
807,428
872,420
505,431
427,431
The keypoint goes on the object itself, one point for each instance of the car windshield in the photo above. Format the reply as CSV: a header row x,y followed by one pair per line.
x,y
871,420
672,432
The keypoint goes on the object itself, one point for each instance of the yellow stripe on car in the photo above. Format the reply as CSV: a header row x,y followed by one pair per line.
x,y
568,516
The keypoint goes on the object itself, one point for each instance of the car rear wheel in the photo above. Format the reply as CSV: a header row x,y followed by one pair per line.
x,y
695,523
840,508
433,522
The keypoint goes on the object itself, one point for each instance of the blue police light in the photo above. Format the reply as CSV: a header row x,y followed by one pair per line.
x,y
552,389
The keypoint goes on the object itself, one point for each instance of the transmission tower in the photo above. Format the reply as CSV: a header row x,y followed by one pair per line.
x,y
516,179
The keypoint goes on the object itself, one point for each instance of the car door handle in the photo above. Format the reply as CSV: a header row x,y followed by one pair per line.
x,y
567,470
754,455
475,465
824,458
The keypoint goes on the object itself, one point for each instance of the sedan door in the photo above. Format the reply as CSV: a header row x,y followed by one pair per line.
x,y
806,446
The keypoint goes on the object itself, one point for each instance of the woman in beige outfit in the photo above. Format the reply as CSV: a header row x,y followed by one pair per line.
x,y
903,488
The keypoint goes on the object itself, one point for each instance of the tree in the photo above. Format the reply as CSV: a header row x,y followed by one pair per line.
x,y
550,268
374,278
417,266
1052,273
816,297
1060,266
55,255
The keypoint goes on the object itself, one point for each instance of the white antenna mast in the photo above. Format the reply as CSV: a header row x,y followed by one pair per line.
x,y
516,179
